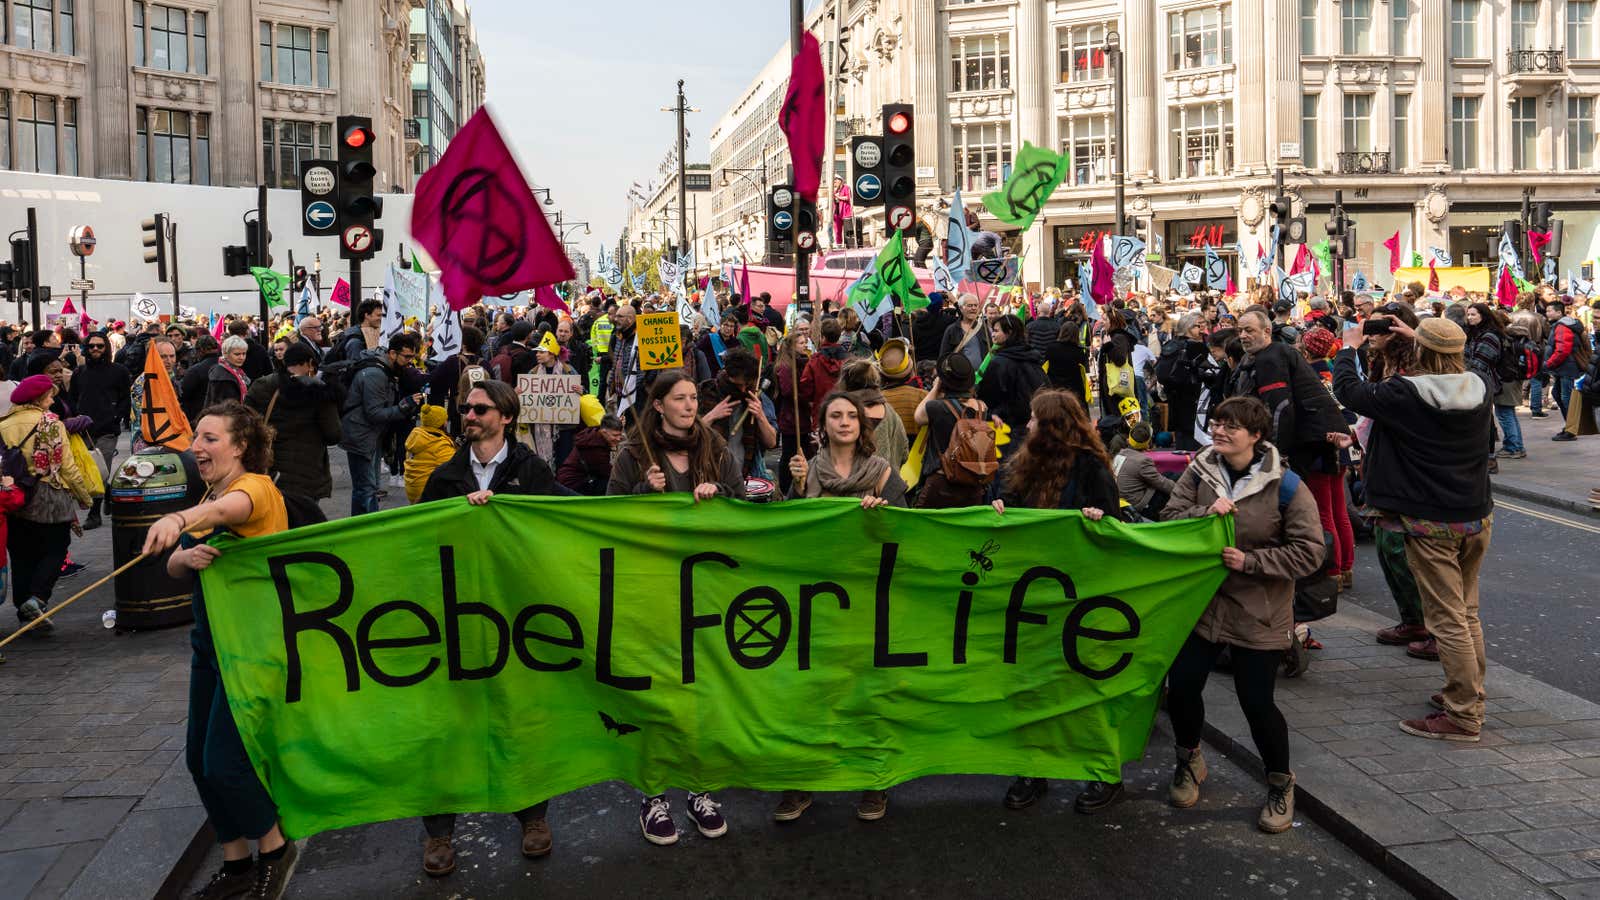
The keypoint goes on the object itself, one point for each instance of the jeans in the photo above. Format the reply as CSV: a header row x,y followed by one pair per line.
x,y
1561,387
1447,575
364,474
1510,429
38,550
232,795
1255,674
1536,393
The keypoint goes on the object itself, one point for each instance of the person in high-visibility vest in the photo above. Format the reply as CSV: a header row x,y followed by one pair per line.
x,y
600,341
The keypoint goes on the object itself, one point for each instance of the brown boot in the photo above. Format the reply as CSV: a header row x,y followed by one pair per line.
x,y
1186,778
536,839
438,857
1277,815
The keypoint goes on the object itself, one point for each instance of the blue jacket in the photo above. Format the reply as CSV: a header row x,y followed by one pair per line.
x,y
372,405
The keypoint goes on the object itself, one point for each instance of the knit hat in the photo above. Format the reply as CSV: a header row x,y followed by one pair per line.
x,y
1441,336
433,416
1319,342
894,359
31,388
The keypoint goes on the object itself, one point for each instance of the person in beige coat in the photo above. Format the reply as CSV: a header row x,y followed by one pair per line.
x,y
1277,538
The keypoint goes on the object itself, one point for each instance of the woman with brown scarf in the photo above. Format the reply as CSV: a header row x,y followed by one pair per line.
x,y
845,467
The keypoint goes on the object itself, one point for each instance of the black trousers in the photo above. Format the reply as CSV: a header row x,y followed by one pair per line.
x,y
37,550
444,824
1255,674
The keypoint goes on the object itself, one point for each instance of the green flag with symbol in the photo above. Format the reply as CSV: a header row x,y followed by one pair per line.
x,y
890,273
1323,251
271,284
1035,176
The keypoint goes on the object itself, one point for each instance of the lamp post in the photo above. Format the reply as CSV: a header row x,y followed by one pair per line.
x,y
1114,50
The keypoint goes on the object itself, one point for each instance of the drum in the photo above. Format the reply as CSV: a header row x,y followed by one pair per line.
x,y
759,490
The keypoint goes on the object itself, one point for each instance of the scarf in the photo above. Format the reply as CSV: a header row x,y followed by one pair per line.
x,y
825,481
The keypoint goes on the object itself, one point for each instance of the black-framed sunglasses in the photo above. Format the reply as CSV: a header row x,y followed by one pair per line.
x,y
95,346
477,409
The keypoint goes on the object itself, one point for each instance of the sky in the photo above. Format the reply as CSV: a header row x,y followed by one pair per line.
x,y
576,87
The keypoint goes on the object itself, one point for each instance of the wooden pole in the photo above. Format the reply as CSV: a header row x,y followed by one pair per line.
x,y
70,600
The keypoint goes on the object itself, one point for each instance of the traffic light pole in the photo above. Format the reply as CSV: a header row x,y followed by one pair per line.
x,y
264,245
172,236
355,285
33,266
1338,259
683,209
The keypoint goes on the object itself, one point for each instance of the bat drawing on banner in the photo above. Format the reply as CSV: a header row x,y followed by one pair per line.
x,y
621,728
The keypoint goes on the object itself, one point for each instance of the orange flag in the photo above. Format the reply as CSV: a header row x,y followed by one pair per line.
x,y
161,419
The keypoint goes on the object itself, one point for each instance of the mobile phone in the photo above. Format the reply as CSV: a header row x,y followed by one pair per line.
x,y
1375,326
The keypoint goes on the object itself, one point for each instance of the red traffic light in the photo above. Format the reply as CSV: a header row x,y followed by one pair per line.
x,y
357,137
899,123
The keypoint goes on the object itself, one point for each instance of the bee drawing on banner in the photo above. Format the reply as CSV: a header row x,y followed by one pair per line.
x,y
980,557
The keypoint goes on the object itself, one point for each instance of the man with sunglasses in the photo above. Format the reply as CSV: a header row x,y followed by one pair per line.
x,y
100,390
492,462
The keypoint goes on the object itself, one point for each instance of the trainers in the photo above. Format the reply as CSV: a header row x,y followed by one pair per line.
x,y
1097,797
1538,414
1438,726
1025,792
704,811
1563,436
1494,466
1402,634
1512,454
272,875
536,839
224,885
438,857
1187,777
793,804
872,806
1428,649
1437,702
32,609
655,820
1277,814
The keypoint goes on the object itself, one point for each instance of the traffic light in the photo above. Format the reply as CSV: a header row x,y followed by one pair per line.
x,y
155,242
357,208
805,225
1541,217
1554,247
258,254
1341,234
899,168
1282,209
1143,231
298,278
6,281
1511,228
235,261
780,220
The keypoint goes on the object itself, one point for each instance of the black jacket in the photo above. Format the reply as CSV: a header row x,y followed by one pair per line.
x,y
257,361
927,332
1303,413
305,421
1015,372
194,387
1427,453
1041,332
523,472
100,390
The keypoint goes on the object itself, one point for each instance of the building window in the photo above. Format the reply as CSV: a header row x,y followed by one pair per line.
x,y
199,37
202,148
1464,28
32,26
1463,132
285,143
169,39
138,34
1202,140
300,53
1355,26
1088,141
173,146
1400,27
36,133
981,62
1081,52
419,49
5,129
64,31
69,136
1400,149
1524,132
1308,27
1580,133
1308,130
982,155
1580,29
1201,37
1525,25
1358,122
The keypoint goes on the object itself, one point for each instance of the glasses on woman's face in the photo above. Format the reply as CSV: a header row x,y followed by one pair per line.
x,y
1229,427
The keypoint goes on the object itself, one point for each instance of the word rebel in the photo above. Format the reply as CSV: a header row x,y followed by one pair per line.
x,y
757,627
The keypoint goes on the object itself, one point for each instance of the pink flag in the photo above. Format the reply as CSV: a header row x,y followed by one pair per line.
x,y
804,116
744,281
1393,246
546,296
1302,261
1506,290
1536,242
1230,290
341,293
1433,277
218,323
1101,275
477,217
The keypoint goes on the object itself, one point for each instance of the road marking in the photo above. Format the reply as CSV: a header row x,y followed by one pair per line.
x,y
1581,526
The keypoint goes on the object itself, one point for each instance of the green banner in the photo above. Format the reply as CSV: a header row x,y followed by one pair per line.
x,y
448,658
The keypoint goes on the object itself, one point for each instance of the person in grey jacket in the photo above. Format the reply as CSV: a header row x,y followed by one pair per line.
x,y
371,406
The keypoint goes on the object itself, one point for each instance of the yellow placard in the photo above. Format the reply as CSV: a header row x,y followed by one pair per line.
x,y
660,343
1473,279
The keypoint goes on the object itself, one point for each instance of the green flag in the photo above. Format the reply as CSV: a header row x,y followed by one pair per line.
x,y
890,273
416,263
1035,176
451,658
1323,251
271,284
1416,260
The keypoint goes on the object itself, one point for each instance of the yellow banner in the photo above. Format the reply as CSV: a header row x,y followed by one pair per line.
x,y
1474,279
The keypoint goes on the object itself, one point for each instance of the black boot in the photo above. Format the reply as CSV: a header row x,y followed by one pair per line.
x,y
1097,796
93,521
1025,792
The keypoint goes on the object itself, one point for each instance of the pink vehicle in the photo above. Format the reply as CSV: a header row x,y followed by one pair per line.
x,y
832,273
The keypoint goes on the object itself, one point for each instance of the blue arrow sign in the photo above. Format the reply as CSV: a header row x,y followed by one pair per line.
x,y
869,187
320,214
781,220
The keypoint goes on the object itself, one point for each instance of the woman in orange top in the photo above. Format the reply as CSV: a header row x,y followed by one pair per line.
x,y
233,450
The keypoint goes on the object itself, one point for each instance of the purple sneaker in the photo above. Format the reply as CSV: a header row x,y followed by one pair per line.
x,y
704,811
655,820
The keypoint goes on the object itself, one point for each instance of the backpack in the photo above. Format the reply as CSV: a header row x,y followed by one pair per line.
x,y
342,375
14,462
1172,366
339,352
1518,361
1316,596
969,456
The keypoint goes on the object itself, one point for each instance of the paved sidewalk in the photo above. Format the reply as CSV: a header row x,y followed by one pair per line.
x,y
1516,815
1555,473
